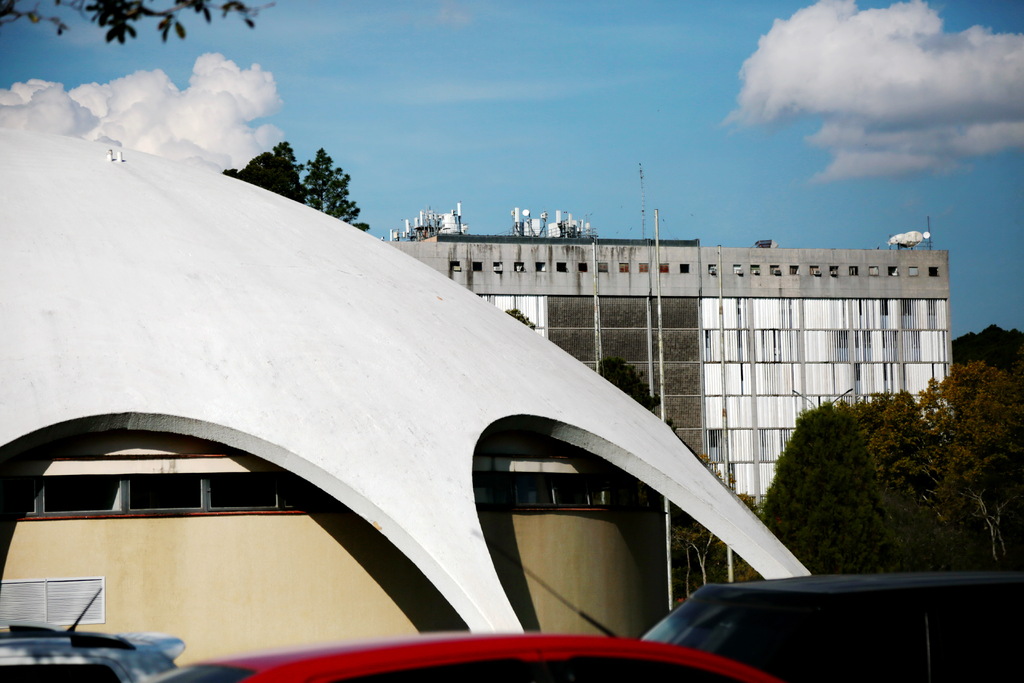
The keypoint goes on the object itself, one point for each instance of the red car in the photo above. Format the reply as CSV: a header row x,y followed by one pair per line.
x,y
458,658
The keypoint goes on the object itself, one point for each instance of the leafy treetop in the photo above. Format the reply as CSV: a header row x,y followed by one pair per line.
x,y
121,16
824,503
318,183
626,377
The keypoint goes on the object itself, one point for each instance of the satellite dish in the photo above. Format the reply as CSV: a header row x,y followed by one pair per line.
x,y
927,235
907,239
526,213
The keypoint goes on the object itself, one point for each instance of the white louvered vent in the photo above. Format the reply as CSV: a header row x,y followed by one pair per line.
x,y
54,601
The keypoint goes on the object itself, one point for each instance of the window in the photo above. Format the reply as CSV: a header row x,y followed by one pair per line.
x,y
540,266
561,267
623,267
776,270
893,271
165,492
17,496
794,270
912,271
662,267
519,267
478,266
933,271
602,267
833,271
455,266
251,492
497,266
72,494
737,269
854,271
755,269
533,489
873,271
144,494
645,267
684,268
815,271
582,266
712,269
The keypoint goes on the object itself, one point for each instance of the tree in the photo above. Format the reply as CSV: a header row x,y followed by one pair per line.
x,y
951,461
521,317
976,420
993,345
275,171
122,15
326,188
625,377
824,503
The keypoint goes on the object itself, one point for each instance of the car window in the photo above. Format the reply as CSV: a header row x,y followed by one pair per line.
x,y
491,671
58,673
604,669
203,673
747,633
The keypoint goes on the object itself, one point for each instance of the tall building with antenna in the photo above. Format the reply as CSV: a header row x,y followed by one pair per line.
x,y
750,336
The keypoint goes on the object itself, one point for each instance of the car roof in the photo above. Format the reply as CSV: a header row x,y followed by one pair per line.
x,y
859,583
366,657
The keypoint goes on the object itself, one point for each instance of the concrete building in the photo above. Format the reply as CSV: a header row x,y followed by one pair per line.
x,y
751,336
231,418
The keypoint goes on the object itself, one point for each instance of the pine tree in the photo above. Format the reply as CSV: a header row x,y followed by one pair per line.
x,y
275,171
326,188
824,503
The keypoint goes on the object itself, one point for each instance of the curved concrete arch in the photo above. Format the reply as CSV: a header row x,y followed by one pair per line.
x,y
684,481
153,288
336,486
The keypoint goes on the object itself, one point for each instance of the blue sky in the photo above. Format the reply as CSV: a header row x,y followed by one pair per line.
x,y
817,125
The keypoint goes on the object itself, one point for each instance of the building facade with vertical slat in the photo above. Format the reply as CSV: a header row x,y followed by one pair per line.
x,y
750,336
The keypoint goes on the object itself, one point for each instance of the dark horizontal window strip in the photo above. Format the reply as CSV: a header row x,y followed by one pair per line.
x,y
557,490
160,494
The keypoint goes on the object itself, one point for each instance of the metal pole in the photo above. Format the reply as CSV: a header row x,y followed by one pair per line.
x,y
724,445
598,351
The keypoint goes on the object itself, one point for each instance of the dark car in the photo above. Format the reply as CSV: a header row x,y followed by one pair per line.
x,y
464,658
40,653
895,627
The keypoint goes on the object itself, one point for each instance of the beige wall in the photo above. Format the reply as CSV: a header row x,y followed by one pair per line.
x,y
611,564
230,583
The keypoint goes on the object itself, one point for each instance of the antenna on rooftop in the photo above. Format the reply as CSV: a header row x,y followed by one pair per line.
x,y
643,206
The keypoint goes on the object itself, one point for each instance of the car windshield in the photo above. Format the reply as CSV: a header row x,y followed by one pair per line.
x,y
751,634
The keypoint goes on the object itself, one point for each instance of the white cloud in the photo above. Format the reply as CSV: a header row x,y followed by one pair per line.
x,y
207,123
896,93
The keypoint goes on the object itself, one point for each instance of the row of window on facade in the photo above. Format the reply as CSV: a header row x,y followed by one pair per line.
x,y
158,493
103,495
562,267
817,271
684,268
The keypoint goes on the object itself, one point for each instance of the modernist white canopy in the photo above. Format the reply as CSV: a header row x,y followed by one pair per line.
x,y
146,294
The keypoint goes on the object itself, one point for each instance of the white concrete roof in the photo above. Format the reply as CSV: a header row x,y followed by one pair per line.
x,y
179,300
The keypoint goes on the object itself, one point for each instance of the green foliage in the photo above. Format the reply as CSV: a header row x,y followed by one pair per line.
x,y
625,377
121,16
327,188
957,454
993,345
521,317
273,171
824,503
324,186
